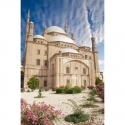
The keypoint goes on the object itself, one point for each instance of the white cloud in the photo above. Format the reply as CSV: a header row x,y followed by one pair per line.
x,y
101,62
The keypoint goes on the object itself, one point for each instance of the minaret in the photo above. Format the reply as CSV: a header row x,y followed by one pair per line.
x,y
26,34
65,27
95,57
72,37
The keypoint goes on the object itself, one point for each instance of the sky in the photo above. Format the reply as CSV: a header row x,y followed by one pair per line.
x,y
84,18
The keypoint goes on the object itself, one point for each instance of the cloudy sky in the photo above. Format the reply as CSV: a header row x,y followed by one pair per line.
x,y
84,18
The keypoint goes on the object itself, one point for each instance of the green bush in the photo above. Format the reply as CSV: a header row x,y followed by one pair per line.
x,y
91,98
78,115
78,89
98,81
59,90
76,119
54,88
33,83
92,92
40,90
75,90
68,87
28,90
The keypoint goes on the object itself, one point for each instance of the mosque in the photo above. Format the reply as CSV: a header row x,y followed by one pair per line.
x,y
56,60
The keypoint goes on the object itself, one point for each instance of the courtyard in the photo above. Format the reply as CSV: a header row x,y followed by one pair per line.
x,y
56,100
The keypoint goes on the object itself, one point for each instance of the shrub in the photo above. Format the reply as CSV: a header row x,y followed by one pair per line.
x,y
100,91
98,81
78,90
54,88
40,90
88,104
78,115
91,98
92,92
68,87
59,90
33,83
71,91
76,119
28,90
75,90
38,114
90,87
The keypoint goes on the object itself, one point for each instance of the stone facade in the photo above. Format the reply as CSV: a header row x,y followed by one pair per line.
x,y
57,62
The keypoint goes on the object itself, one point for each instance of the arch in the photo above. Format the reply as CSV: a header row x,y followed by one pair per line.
x,y
77,61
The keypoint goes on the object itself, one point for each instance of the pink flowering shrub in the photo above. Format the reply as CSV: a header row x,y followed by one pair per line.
x,y
100,91
38,114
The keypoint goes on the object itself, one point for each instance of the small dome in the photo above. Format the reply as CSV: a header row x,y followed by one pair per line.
x,y
39,36
31,22
66,50
61,38
55,29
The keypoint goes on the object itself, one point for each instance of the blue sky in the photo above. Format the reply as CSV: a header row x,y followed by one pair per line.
x,y
83,17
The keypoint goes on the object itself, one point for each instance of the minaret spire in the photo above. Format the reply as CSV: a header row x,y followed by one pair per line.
x,y
65,27
28,16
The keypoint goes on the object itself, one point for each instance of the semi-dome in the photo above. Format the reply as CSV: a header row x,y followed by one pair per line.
x,y
66,50
55,29
61,38
39,36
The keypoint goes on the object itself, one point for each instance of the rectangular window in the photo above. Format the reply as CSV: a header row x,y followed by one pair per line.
x,y
68,81
84,71
45,83
37,61
86,56
45,52
38,51
45,62
84,82
67,69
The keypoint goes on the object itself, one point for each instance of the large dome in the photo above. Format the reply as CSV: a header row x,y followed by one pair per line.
x,y
39,36
66,50
55,29
61,38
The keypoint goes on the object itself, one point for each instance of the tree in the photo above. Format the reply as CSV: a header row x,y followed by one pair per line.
x,y
98,81
33,83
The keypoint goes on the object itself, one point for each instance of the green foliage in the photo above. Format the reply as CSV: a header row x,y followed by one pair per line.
x,y
40,90
75,90
60,90
92,92
78,115
88,104
33,83
28,90
76,119
54,88
39,95
68,87
91,98
98,81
